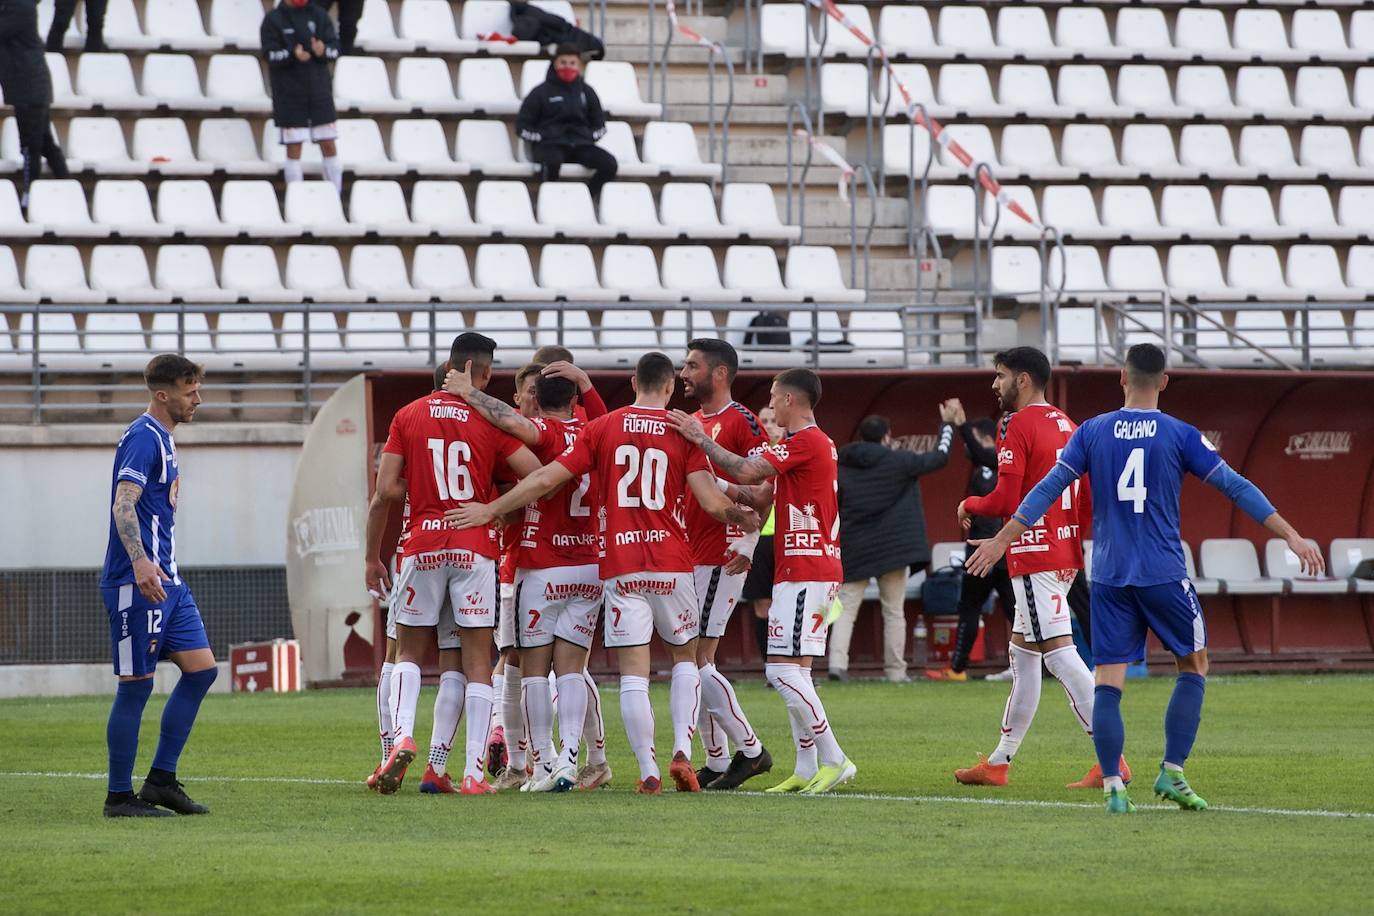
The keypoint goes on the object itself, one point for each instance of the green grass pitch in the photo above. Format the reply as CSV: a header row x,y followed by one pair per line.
x,y
1284,760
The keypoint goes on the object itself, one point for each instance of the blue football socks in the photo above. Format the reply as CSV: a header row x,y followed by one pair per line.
x,y
121,732
1182,718
1109,731
179,715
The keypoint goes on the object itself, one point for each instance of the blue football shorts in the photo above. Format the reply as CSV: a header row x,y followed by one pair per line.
x,y
142,632
1121,615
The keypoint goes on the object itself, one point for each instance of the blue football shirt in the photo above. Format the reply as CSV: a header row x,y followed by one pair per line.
x,y
1135,460
147,456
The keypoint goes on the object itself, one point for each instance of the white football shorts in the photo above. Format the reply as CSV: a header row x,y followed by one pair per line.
x,y
558,603
446,630
796,620
718,592
637,604
315,132
463,578
1042,604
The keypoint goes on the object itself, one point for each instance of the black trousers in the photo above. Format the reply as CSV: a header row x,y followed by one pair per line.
x,y
350,11
95,23
551,157
36,143
973,594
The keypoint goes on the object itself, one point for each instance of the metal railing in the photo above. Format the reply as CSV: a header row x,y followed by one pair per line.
x,y
714,52
796,185
982,245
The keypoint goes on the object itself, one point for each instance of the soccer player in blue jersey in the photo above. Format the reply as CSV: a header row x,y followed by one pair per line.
x,y
1135,459
152,613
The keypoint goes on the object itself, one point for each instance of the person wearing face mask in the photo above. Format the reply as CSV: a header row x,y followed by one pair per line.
x,y
299,41
562,119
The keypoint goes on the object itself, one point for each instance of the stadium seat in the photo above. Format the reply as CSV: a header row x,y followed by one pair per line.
x,y
1320,32
839,41
620,143
1305,210
376,338
1249,210
165,147
1083,29
845,89
877,337
380,207
238,23
429,23
618,87
949,210
1346,555
11,290
628,333
566,208
692,270
420,146
1080,270
511,332
1070,209
1282,563
1025,90
361,85
485,86
1261,32
116,341
1328,334
1089,149
186,333
323,335
57,336
252,205
1015,270
976,139
1268,149
904,31
1134,269
1256,269
1008,224
443,207
1355,210
627,210
12,222
64,96
274,151
966,90
377,31
109,77
1264,89
99,144
1075,337
188,274
1323,90
120,272
442,270
1314,272
966,30
1362,30
1083,90
1200,585
1149,148
1359,273
1143,89
814,271
316,208
379,271
485,147
1202,31
172,80
187,208
1203,90
361,150
690,209
252,273
1206,150
123,205
1366,157
122,31
916,79
317,271
753,208
242,333
569,271
1233,561
1363,94
486,17
59,206
1327,150
1025,30
228,144
427,84
633,270
907,150
1130,211
532,73
505,207
506,271
1194,272
178,23
783,30
673,146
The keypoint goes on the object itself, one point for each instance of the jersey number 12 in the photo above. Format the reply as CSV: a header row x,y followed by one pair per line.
x,y
1130,486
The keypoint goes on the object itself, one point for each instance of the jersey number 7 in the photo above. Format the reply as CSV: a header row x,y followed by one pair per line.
x,y
1130,486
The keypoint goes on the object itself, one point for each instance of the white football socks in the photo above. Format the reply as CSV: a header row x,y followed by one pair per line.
x,y
713,737
793,684
594,726
638,715
333,171
513,715
292,170
572,714
405,693
539,719
478,703
384,708
498,690
1067,665
1021,703
719,697
684,699
448,712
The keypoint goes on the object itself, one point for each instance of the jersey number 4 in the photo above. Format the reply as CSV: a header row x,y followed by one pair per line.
x,y
1130,486
451,473
651,467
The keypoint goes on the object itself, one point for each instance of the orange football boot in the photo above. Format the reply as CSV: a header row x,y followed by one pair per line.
x,y
472,786
684,777
387,778
650,786
434,784
1094,778
983,773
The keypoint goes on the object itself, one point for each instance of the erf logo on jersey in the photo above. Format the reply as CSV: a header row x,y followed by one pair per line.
x,y
1006,456
779,449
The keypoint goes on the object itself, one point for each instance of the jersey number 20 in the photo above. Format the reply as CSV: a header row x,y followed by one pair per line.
x,y
652,471
1130,486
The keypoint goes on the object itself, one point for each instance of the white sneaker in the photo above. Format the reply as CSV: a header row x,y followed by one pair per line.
x,y
510,778
999,676
594,776
540,773
560,779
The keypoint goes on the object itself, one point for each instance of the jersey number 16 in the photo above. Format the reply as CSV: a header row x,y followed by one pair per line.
x,y
451,473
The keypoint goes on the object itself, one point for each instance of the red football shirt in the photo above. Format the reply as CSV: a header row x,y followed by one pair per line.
x,y
735,428
450,454
806,540
1027,448
639,465
560,529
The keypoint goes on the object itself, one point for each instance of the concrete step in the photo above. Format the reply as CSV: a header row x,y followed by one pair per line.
x,y
771,149
624,30
763,95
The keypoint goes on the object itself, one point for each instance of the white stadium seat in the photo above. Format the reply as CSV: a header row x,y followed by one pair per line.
x,y
165,147
443,206
1080,270
1267,147
976,140
1194,271
1203,89
11,290
846,89
429,23
916,79
506,271
619,141
1015,270
188,274
99,144
690,209
753,270
783,30
840,41
316,208
1323,90
228,143
485,147
109,77
569,271
1321,32
1150,149
380,272
172,80
1026,90
187,208
1327,150
1144,89
123,205
486,86
627,209
121,273
59,205
965,88
1083,89
420,146
1202,31
238,23
317,271
64,96
251,272
361,85
1130,211
1349,553
1263,89
1234,562
1355,209
1026,30
1256,270
1134,269
1249,210
905,31
618,88
117,341
1314,272
377,31
443,271
427,84
122,31
1261,31
566,207
253,206
906,149
966,28
505,207
361,149
673,145
13,225
1090,149
633,270
949,210
178,23
1307,210
692,270
1072,210
380,207
1281,562
1082,28
814,270
753,208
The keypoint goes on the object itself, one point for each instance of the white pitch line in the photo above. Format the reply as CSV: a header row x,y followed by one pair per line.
x,y
853,796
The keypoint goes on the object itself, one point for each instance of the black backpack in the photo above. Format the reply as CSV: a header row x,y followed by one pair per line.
x,y
530,23
768,338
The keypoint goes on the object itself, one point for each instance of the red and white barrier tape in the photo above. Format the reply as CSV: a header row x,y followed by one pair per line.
x,y
691,34
829,153
937,130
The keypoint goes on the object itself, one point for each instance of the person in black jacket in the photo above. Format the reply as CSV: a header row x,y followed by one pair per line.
x,y
27,86
530,23
562,119
62,13
299,41
882,534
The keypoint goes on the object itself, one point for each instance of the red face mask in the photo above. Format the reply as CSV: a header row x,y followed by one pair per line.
x,y
298,4
566,74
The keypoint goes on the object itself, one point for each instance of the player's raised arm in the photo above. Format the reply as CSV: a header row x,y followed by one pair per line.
x,y
591,399
148,576
718,505
533,487
390,488
495,411
745,470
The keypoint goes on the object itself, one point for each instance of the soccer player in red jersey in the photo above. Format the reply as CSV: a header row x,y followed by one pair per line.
x,y
447,455
721,554
1042,564
808,571
557,583
641,472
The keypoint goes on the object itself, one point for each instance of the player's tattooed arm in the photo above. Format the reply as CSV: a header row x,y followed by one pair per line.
x,y
495,411
758,497
148,576
718,505
745,470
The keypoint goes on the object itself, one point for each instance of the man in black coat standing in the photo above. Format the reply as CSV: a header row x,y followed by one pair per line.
x,y
882,534
27,85
299,42
562,119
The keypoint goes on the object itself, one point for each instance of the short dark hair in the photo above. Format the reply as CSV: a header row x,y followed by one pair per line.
x,y
471,346
1145,362
440,374
554,393
717,353
984,426
653,370
801,380
567,47
1028,360
525,372
874,428
165,370
552,353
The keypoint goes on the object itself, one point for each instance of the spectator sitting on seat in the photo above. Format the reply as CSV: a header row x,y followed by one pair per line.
x,y
27,85
882,534
299,41
562,119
